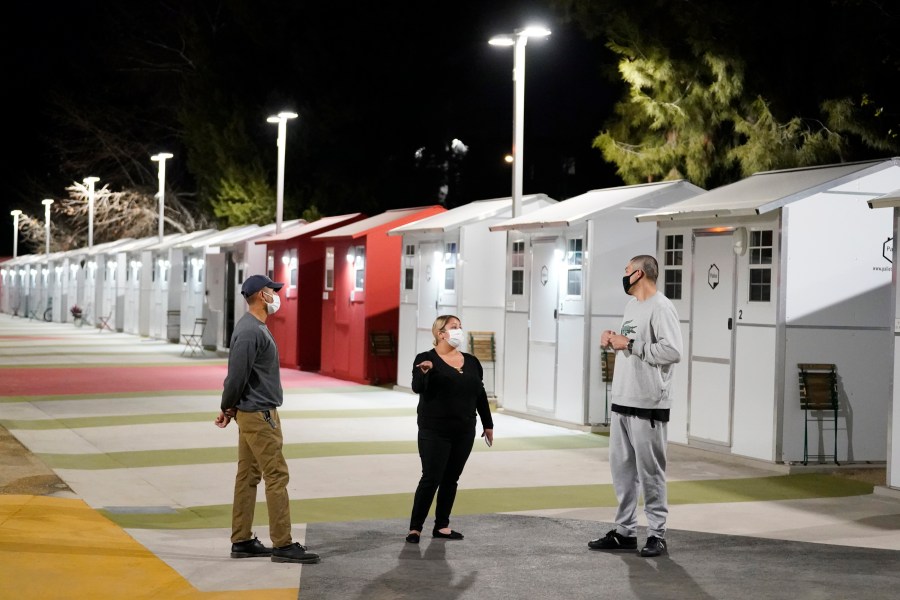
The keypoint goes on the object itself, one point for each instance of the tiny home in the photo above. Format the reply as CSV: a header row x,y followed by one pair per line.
x,y
782,269
892,200
167,279
564,267
292,257
452,264
134,276
362,272
99,283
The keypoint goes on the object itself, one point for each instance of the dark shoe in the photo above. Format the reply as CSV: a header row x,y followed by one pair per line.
x,y
453,535
294,553
613,541
413,538
655,547
249,549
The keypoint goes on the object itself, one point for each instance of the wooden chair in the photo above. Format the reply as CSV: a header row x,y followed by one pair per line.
x,y
818,394
607,368
194,341
483,347
381,345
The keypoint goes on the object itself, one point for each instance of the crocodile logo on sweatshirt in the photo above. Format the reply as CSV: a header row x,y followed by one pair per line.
x,y
628,328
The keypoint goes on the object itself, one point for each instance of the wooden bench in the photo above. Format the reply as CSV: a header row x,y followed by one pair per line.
x,y
818,392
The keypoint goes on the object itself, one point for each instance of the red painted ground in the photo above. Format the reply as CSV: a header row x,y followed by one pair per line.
x,y
50,381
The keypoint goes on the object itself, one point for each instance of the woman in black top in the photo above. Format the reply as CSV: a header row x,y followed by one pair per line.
x,y
451,390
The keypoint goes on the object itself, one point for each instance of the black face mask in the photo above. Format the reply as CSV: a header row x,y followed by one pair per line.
x,y
627,283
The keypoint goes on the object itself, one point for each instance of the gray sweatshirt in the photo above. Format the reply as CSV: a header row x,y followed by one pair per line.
x,y
643,378
253,383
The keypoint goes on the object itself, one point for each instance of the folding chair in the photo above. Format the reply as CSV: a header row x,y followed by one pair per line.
x,y
103,322
194,341
819,395
381,344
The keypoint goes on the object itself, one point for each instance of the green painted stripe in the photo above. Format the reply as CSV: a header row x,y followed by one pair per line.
x,y
338,389
195,417
200,456
497,500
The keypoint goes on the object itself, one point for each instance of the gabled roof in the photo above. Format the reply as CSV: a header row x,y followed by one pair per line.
x,y
469,213
137,244
179,238
307,229
106,246
767,191
889,200
362,228
580,208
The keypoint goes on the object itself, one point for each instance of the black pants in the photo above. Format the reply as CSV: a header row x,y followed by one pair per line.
x,y
443,454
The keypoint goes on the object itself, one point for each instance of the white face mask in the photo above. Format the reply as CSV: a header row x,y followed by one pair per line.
x,y
456,337
275,304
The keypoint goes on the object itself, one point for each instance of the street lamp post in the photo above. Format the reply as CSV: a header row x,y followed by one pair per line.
x,y
519,38
161,159
281,118
47,202
89,182
15,215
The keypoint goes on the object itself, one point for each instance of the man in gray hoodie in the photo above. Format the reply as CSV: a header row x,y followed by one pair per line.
x,y
647,346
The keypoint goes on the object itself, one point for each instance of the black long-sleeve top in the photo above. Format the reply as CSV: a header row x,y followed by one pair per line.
x,y
448,399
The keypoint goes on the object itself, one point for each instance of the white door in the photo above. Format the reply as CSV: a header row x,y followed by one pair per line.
x,y
541,395
712,320
429,275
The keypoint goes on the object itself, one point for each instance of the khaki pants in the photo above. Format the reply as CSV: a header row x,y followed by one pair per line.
x,y
260,455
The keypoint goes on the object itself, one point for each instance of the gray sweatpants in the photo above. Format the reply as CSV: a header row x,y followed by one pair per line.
x,y
637,459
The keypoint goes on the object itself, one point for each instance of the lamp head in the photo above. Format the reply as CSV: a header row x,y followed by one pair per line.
x,y
15,213
161,156
282,116
501,40
90,180
47,202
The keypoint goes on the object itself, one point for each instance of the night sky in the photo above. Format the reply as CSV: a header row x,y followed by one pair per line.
x,y
443,82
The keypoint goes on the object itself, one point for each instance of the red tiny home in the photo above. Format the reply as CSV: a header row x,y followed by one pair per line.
x,y
362,279
293,258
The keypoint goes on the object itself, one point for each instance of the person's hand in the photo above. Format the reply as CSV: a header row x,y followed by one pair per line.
x,y
488,434
224,418
607,337
425,366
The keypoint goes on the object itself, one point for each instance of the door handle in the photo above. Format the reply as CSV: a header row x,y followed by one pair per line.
x,y
729,323
555,313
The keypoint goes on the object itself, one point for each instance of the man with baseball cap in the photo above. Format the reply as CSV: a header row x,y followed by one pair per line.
x,y
251,396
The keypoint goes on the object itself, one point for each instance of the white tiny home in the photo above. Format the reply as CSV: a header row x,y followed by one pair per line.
x,y
563,287
168,278
452,264
892,200
99,282
778,269
134,275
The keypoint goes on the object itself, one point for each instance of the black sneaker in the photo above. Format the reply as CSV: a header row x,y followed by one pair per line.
x,y
249,549
613,541
294,553
655,547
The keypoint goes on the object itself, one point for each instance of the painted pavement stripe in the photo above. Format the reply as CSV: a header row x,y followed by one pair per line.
x,y
494,500
157,458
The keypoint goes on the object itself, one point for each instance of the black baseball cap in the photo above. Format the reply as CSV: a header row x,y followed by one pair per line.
x,y
254,283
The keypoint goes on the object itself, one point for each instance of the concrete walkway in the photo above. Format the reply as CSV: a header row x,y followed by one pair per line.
x,y
127,424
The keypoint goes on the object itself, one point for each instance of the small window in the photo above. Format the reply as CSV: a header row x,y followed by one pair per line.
x,y
293,267
270,264
760,254
409,267
674,259
517,261
359,268
574,259
450,255
329,268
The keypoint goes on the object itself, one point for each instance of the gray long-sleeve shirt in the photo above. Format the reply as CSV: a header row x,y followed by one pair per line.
x,y
253,382
643,378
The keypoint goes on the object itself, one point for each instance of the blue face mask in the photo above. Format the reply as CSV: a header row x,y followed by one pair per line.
x,y
627,283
